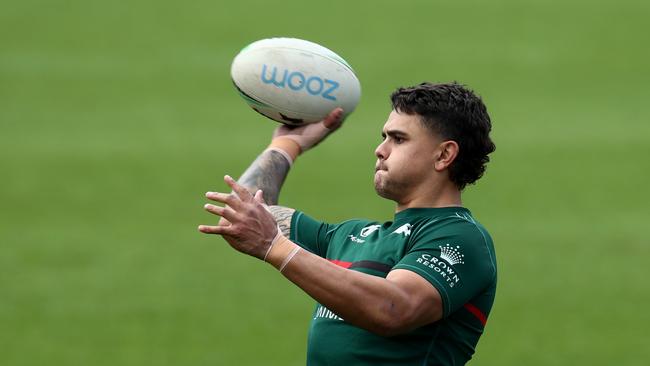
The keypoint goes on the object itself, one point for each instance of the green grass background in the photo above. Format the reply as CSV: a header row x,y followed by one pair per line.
x,y
116,117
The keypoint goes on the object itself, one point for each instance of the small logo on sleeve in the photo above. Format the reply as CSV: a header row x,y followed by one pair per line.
x,y
444,266
451,254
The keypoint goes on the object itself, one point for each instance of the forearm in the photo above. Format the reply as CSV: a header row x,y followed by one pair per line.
x,y
369,302
270,169
266,173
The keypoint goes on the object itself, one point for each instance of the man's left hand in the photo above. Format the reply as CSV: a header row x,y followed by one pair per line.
x,y
251,227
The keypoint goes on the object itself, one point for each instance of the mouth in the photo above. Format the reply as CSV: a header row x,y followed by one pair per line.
x,y
380,166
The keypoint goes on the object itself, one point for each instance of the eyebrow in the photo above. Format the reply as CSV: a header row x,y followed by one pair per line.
x,y
394,133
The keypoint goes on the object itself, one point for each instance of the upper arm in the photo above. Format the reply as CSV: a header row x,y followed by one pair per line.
x,y
458,266
424,304
283,216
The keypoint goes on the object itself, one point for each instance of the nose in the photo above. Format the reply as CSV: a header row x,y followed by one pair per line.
x,y
381,151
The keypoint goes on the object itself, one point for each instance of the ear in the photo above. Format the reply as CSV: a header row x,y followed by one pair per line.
x,y
445,155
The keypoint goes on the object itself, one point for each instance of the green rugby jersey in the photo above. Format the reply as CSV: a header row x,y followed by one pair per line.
x,y
445,246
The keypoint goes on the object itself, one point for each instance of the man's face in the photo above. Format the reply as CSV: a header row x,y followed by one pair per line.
x,y
405,158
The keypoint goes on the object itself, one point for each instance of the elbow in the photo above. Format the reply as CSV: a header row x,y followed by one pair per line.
x,y
391,322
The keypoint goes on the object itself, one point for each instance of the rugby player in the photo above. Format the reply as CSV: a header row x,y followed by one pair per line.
x,y
413,291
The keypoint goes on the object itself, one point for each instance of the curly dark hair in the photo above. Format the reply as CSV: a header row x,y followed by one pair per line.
x,y
453,112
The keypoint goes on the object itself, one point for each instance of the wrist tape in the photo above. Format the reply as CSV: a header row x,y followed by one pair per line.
x,y
275,240
289,257
273,258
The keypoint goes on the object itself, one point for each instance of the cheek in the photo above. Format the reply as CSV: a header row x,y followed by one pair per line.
x,y
414,166
400,157
406,156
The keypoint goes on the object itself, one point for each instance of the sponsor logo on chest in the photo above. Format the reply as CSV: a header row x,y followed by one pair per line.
x,y
365,232
404,230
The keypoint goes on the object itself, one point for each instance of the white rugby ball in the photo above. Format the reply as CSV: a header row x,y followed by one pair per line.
x,y
293,81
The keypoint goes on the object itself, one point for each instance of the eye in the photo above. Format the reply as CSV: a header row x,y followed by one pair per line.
x,y
398,140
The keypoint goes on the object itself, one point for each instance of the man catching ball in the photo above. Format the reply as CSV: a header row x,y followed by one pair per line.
x,y
413,291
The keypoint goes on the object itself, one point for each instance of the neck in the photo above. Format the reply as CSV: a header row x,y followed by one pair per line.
x,y
446,195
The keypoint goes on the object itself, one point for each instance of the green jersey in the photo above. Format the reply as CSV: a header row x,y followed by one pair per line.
x,y
446,246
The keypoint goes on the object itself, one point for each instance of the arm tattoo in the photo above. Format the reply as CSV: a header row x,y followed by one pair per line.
x,y
283,218
267,173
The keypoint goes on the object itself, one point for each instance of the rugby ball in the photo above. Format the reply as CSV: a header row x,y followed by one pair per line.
x,y
293,81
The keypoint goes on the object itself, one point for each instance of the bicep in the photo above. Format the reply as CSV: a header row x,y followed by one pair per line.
x,y
283,217
423,299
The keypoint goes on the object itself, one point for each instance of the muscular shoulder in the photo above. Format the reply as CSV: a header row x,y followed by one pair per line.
x,y
459,225
457,233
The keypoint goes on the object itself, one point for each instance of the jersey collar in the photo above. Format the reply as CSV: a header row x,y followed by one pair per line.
x,y
410,213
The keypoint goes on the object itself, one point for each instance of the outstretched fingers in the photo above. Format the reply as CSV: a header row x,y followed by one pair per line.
x,y
219,230
225,198
242,192
225,212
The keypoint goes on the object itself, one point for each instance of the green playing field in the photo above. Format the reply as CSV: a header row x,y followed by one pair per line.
x,y
116,117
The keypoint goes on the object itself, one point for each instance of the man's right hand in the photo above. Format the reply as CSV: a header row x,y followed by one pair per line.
x,y
297,140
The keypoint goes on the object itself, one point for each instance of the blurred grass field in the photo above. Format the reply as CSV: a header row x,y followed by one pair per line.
x,y
116,117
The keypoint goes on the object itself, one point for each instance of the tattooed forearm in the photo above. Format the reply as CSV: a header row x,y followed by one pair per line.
x,y
283,218
267,173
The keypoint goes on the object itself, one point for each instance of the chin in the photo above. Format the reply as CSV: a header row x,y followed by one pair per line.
x,y
382,194
382,191
388,189
379,186
391,196
380,181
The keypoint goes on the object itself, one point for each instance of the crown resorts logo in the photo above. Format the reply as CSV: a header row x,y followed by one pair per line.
x,y
451,254
444,265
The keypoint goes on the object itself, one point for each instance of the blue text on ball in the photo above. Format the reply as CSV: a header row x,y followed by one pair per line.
x,y
296,81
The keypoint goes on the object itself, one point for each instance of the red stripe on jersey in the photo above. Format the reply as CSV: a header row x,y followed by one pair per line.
x,y
341,263
477,313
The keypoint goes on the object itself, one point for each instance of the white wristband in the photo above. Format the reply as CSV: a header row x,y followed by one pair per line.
x,y
283,153
289,257
275,239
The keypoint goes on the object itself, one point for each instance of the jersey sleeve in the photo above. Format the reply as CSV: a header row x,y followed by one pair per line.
x,y
311,234
458,264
